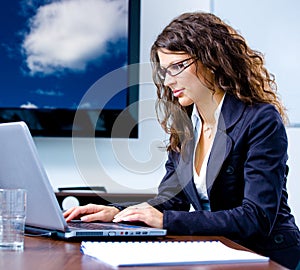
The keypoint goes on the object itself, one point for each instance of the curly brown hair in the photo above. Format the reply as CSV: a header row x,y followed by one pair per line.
x,y
238,70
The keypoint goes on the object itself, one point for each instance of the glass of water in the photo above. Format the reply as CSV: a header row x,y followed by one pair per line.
x,y
12,218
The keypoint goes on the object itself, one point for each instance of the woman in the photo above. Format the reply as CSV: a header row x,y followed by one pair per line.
x,y
228,146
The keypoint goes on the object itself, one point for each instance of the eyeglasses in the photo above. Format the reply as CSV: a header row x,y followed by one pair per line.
x,y
175,69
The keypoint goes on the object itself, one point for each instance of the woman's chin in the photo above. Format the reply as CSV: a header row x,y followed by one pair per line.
x,y
184,101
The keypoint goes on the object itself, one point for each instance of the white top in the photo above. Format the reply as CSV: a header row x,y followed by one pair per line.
x,y
200,180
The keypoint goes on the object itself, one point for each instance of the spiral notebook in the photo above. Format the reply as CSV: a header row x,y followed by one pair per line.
x,y
166,253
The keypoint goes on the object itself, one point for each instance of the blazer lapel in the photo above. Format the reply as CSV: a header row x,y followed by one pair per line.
x,y
185,175
231,112
220,150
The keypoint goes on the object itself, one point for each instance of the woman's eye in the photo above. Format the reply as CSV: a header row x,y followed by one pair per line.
x,y
177,67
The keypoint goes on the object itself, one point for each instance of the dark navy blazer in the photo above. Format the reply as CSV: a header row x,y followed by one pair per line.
x,y
246,184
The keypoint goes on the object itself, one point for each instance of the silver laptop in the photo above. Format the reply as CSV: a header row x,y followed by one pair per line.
x,y
20,167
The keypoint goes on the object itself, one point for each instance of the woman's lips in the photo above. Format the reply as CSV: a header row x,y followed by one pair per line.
x,y
177,93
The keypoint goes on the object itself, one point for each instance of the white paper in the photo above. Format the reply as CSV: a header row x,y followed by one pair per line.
x,y
167,253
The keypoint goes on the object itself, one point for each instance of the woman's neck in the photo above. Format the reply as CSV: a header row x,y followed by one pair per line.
x,y
207,108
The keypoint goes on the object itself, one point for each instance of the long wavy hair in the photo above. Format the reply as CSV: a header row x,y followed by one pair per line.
x,y
238,70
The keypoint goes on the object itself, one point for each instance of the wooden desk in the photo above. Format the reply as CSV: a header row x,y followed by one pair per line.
x,y
48,254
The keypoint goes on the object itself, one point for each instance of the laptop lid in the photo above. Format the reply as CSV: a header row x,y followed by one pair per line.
x,y
20,167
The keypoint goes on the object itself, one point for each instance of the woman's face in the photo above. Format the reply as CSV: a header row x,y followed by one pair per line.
x,y
188,85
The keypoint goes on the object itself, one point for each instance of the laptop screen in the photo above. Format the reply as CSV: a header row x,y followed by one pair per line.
x,y
20,167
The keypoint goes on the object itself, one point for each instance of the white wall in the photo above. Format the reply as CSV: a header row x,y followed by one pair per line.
x,y
135,165
272,27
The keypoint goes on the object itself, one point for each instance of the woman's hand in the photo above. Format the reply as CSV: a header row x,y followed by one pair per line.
x,y
91,212
143,212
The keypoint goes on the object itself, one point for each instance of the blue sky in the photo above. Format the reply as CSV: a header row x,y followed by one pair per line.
x,y
51,51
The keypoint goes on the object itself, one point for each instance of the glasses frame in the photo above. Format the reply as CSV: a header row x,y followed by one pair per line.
x,y
162,72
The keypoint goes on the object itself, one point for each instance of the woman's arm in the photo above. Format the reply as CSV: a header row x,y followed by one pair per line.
x,y
170,192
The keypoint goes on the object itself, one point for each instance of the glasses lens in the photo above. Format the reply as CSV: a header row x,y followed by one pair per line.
x,y
174,69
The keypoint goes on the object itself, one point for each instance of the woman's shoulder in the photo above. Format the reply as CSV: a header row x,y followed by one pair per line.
x,y
264,111
265,118
258,113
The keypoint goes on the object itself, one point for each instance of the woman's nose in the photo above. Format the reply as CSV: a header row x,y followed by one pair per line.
x,y
169,80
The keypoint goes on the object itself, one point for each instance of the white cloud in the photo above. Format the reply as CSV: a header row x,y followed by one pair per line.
x,y
69,34
29,105
48,93
85,105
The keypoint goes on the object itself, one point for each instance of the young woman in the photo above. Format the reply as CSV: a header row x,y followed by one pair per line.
x,y
228,146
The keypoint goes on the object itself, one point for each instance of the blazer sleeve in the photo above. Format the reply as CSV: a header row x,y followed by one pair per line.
x,y
262,147
170,192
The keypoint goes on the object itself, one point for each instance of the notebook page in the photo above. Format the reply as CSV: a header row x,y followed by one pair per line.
x,y
167,253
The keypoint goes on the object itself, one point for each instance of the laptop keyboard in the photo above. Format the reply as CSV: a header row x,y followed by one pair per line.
x,y
98,226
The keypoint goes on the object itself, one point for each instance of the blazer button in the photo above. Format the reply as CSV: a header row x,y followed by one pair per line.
x,y
229,170
278,238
